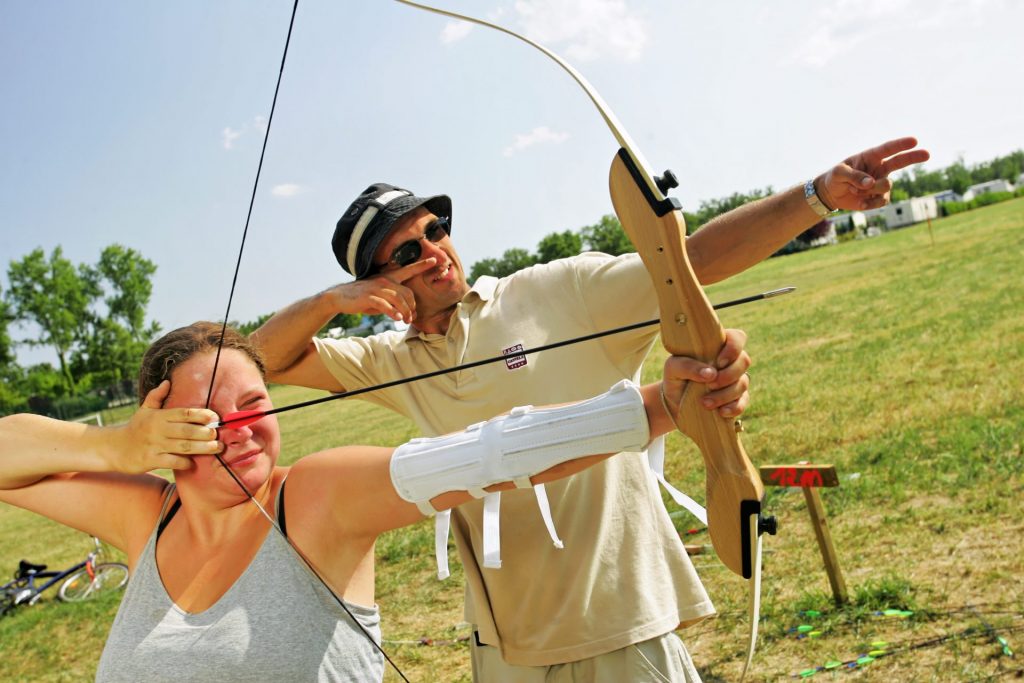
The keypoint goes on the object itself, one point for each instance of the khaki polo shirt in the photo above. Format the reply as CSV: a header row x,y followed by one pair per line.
x,y
623,576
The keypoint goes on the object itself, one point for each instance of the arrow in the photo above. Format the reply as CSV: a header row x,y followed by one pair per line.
x,y
247,417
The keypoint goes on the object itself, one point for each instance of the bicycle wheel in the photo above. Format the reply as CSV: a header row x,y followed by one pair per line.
x,y
108,576
6,601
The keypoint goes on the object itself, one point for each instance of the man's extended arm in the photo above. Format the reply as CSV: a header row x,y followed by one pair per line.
x,y
747,235
287,346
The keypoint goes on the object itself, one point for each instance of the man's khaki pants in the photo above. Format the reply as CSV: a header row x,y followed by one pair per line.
x,y
660,660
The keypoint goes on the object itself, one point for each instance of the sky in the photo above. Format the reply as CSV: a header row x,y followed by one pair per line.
x,y
141,123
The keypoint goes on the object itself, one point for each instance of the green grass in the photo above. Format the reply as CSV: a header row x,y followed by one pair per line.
x,y
896,360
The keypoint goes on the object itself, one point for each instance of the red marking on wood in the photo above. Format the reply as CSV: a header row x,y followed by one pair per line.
x,y
810,478
791,476
784,476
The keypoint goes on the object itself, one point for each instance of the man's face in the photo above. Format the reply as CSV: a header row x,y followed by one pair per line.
x,y
437,289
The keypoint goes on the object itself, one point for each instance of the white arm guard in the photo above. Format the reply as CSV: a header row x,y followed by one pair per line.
x,y
514,447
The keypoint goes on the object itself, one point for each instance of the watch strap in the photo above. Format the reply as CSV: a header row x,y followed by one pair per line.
x,y
814,201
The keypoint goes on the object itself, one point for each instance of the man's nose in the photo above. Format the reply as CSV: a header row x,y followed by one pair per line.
x,y
432,249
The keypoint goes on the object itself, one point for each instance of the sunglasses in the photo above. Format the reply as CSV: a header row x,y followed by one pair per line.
x,y
410,251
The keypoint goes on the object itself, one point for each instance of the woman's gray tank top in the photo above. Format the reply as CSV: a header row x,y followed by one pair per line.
x,y
276,623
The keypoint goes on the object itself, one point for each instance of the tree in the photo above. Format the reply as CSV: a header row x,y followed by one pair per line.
x,y
607,236
487,266
129,277
959,177
511,261
816,231
346,321
7,356
106,355
11,399
899,194
559,245
248,328
56,297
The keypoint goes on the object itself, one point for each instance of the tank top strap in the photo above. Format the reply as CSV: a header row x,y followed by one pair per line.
x,y
280,508
165,516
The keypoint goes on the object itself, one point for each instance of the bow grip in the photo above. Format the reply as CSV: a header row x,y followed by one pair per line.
x,y
690,327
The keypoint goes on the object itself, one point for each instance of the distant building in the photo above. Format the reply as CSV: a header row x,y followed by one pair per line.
x,y
906,212
854,220
947,196
997,185
388,324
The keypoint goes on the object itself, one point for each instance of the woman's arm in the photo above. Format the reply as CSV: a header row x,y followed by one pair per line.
x,y
93,478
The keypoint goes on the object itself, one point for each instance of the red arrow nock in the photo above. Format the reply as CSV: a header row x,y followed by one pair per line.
x,y
243,418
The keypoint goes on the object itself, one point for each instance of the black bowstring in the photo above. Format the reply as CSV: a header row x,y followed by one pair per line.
x,y
220,346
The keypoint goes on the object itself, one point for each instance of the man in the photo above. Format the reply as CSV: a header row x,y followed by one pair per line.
x,y
604,607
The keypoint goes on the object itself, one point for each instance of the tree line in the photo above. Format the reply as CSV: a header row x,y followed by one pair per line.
x,y
919,182
608,236
92,316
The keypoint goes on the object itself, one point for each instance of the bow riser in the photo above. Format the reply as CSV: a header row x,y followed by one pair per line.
x,y
690,327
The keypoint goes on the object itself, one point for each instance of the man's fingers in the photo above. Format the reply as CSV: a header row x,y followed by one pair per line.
x,y
857,179
730,400
894,164
735,341
390,309
735,408
413,269
887,149
683,369
875,202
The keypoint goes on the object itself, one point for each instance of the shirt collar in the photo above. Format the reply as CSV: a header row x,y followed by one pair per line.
x,y
482,290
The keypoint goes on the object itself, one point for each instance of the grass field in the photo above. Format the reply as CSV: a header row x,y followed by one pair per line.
x,y
898,360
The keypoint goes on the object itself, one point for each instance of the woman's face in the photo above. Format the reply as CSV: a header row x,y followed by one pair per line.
x,y
251,451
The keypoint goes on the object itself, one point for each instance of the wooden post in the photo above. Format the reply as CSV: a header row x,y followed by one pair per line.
x,y
810,478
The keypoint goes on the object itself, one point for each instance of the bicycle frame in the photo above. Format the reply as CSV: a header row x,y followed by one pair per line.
x,y
34,591
24,588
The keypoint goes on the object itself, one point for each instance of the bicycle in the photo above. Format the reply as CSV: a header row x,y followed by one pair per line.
x,y
82,581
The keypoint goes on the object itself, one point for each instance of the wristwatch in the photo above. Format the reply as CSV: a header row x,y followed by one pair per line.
x,y
814,201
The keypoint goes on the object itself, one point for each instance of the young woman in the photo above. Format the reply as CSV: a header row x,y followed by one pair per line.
x,y
216,594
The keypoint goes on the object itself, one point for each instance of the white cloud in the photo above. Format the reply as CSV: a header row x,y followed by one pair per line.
x,y
454,31
589,29
287,190
228,136
842,27
539,135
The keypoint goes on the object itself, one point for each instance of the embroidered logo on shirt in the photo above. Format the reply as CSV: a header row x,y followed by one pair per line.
x,y
514,359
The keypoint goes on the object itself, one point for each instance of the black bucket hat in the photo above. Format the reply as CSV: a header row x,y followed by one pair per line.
x,y
369,219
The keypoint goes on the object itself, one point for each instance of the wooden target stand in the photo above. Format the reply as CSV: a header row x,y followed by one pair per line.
x,y
809,478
